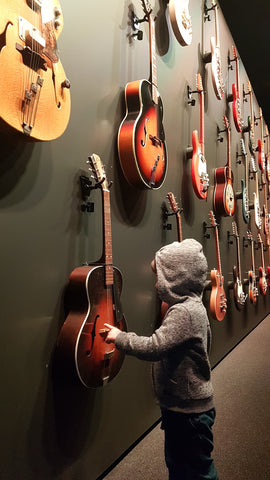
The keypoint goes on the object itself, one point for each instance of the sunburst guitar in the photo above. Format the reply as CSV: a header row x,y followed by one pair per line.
x,y
34,90
141,138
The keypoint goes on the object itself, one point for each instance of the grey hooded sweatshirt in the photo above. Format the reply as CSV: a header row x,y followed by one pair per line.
x,y
179,348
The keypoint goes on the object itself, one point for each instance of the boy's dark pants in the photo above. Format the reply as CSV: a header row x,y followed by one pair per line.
x,y
188,445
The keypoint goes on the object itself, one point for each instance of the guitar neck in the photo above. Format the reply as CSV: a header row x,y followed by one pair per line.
x,y
153,59
216,27
179,227
252,256
202,121
107,238
218,251
229,153
238,258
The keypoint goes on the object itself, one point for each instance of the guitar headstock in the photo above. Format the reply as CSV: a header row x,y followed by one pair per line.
x,y
98,171
226,123
266,130
173,202
249,87
214,4
213,219
259,238
199,83
250,237
235,229
146,8
253,166
243,147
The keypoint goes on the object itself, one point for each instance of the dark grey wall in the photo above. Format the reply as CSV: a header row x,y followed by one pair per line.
x,y
49,431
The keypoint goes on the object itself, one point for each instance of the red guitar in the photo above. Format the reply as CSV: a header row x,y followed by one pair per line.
x,y
218,300
34,90
199,175
216,60
262,275
93,297
252,289
239,295
141,139
236,96
260,148
224,198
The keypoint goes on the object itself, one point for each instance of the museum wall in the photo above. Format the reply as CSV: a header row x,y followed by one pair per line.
x,y
52,428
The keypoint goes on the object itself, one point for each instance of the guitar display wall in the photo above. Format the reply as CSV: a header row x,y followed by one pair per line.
x,y
59,430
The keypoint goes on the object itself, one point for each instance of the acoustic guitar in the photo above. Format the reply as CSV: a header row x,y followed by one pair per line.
x,y
93,298
181,21
199,175
34,90
216,68
239,294
224,198
141,138
218,300
252,282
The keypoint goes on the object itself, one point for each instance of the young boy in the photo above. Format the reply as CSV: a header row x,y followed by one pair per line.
x,y
179,349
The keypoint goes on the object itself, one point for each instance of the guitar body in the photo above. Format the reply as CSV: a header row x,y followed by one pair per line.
x,y
261,156
181,21
81,342
44,113
218,301
199,174
268,278
252,289
239,295
236,109
257,211
216,69
141,140
262,281
245,202
224,199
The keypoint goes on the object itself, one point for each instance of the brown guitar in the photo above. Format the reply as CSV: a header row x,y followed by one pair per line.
x,y
94,299
34,90
218,300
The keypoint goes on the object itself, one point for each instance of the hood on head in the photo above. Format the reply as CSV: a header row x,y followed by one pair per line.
x,y
181,270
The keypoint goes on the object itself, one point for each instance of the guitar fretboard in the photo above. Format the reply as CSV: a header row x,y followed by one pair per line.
x,y
153,59
107,234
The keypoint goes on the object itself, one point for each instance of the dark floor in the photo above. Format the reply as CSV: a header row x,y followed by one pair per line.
x,y
242,429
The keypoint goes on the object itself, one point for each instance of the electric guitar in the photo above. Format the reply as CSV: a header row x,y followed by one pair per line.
x,y
239,295
176,211
268,267
224,198
267,157
181,21
244,185
93,299
256,198
34,90
216,68
265,213
141,138
252,288
262,275
218,300
238,122
251,143
260,148
199,175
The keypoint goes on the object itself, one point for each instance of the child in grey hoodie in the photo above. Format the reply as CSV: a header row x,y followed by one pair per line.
x,y
179,349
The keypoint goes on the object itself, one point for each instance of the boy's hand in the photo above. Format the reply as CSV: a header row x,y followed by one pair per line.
x,y
112,333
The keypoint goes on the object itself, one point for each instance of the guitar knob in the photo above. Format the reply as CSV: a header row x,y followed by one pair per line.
x,y
57,23
65,83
